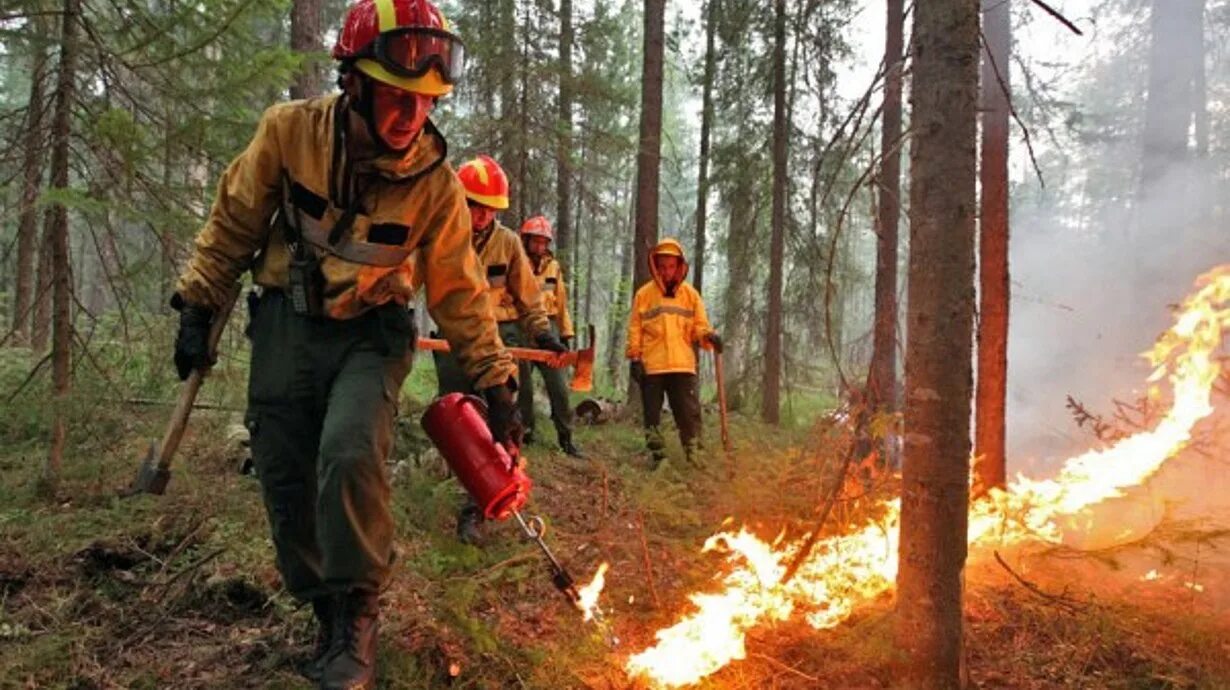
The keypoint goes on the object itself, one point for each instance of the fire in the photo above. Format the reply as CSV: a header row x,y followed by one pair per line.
x,y
587,596
846,571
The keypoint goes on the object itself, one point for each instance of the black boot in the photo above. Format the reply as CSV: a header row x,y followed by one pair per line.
x,y
325,608
351,661
468,520
565,443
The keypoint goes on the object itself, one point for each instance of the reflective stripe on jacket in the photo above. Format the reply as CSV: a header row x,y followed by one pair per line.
x,y
406,201
662,330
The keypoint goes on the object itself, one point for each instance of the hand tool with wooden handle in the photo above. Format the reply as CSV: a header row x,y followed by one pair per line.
x,y
155,470
582,360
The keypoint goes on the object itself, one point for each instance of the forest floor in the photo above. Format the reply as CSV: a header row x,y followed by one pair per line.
x,y
180,591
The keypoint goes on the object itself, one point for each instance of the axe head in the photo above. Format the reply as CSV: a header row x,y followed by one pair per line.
x,y
583,368
150,478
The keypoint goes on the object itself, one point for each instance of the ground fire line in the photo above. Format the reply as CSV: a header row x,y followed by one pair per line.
x,y
846,571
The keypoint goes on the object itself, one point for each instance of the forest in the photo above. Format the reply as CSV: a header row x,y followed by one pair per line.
x,y
959,274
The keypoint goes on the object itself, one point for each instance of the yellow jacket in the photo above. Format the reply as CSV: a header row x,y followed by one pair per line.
x,y
294,170
554,293
662,329
510,279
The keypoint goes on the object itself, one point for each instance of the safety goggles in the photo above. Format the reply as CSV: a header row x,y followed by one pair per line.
x,y
411,51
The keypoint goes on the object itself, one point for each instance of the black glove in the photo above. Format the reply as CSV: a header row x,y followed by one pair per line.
x,y
502,416
636,371
567,341
192,341
547,341
716,341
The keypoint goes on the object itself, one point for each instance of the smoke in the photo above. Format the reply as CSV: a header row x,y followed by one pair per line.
x,y
1090,296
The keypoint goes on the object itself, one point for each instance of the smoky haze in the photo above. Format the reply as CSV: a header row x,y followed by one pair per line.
x,y
1100,258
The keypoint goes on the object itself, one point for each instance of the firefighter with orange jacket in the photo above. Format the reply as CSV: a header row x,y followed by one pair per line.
x,y
326,207
667,322
537,235
515,299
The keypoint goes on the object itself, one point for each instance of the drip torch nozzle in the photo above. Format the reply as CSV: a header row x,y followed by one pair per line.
x,y
565,584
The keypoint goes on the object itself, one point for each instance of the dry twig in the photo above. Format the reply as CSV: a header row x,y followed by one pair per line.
x,y
1059,600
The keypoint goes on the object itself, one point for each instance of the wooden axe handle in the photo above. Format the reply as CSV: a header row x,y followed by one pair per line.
x,y
555,360
191,386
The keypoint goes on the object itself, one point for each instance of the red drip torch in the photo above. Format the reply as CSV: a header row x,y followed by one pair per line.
x,y
457,424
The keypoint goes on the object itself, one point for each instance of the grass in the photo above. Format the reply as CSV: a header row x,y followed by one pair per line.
x,y
180,591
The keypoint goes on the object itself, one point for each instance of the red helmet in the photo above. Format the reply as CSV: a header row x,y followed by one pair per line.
x,y
538,226
485,182
403,43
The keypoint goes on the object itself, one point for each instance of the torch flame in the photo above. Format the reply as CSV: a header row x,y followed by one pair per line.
x,y
846,571
587,596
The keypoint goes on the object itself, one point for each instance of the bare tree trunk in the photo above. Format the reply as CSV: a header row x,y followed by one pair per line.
x,y
649,152
935,473
523,131
990,463
589,274
574,287
62,324
706,122
882,375
509,68
741,230
40,329
305,34
32,174
563,151
620,308
770,400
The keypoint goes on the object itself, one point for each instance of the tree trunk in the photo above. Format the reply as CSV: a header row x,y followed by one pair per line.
x,y
990,468
62,325
619,311
574,288
523,131
563,166
305,32
770,400
32,174
649,152
706,121
935,473
737,309
882,374
40,329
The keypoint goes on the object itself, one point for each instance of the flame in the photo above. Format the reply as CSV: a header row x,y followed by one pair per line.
x,y
587,596
843,572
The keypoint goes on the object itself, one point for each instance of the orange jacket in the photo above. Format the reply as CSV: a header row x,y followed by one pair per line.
x,y
510,280
409,201
663,329
554,293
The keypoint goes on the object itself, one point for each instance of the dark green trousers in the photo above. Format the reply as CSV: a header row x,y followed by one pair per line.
x,y
684,396
557,393
322,398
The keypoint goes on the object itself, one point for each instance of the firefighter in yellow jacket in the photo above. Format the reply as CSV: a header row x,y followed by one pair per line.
x,y
668,320
537,235
515,299
325,206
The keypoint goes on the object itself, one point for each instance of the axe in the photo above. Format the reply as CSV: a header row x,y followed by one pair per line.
x,y
155,470
582,361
